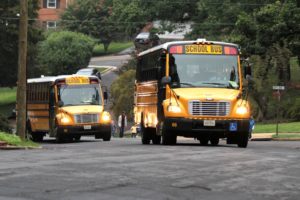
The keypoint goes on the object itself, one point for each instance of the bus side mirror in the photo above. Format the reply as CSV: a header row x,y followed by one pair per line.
x,y
98,74
60,103
166,80
247,71
105,95
247,67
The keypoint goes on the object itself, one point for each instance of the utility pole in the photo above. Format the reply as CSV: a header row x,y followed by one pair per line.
x,y
22,82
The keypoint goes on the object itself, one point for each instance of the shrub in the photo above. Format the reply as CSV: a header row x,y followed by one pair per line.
x,y
4,125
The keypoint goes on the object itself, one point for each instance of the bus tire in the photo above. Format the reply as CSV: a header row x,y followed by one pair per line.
x,y
156,139
106,136
204,141
167,137
34,136
145,136
243,141
37,137
77,138
214,141
59,137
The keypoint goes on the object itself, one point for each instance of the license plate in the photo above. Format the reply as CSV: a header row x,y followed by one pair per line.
x,y
87,127
209,123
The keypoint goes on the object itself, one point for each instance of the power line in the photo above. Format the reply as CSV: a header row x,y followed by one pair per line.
x,y
114,23
215,3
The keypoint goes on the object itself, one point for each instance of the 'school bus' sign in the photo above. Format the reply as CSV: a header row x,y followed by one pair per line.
x,y
203,49
77,80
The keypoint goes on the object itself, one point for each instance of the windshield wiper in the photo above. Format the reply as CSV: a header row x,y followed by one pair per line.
x,y
188,84
69,105
211,83
229,85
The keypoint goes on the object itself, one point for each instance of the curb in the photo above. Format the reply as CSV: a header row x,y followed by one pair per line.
x,y
261,139
18,148
286,139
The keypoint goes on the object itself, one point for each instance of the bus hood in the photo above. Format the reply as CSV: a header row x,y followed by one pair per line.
x,y
211,94
82,109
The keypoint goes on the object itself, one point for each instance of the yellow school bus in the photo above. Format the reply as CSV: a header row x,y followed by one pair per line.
x,y
66,107
192,89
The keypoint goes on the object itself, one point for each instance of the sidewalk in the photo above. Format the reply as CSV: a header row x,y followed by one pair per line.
x,y
261,136
268,137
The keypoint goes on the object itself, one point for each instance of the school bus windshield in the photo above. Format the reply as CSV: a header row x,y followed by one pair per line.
x,y
204,71
73,95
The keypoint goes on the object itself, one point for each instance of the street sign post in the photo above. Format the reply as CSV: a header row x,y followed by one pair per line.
x,y
278,92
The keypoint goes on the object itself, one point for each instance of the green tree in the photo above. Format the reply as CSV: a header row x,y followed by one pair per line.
x,y
65,52
9,30
91,18
122,91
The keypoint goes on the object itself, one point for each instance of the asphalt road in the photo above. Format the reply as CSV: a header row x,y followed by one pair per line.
x,y
125,169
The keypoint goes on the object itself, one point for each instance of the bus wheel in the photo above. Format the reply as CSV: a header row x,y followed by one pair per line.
x,y
156,139
145,135
203,141
59,137
214,141
37,137
168,138
77,138
243,141
107,136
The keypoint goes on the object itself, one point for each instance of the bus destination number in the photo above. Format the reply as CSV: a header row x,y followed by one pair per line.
x,y
203,49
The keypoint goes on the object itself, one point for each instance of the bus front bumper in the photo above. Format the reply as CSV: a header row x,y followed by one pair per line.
x,y
84,129
196,128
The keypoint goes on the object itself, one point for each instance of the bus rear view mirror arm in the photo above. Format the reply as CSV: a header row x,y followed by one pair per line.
x,y
60,103
166,80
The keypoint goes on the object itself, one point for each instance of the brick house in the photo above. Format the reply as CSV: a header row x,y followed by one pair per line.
x,y
50,11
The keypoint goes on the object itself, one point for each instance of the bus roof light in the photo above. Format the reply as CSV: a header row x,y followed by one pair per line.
x,y
201,40
230,51
176,50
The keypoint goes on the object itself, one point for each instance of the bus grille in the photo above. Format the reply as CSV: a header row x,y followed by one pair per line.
x,y
198,108
86,118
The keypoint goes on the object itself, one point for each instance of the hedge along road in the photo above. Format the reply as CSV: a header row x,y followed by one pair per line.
x,y
125,169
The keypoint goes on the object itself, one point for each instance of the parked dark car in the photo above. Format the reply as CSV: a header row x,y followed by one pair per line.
x,y
146,40
89,72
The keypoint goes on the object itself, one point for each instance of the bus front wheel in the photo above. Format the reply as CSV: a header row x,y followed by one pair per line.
x,y
167,137
107,136
243,141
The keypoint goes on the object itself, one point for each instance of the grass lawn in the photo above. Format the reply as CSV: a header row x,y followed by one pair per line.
x,y
114,47
101,69
293,127
295,70
7,95
7,100
15,140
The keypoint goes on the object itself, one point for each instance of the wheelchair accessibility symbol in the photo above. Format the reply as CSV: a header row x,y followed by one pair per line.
x,y
233,126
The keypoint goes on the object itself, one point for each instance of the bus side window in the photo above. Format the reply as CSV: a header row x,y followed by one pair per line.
x,y
52,97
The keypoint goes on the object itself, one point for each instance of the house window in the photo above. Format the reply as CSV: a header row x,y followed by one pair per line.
x,y
51,3
51,24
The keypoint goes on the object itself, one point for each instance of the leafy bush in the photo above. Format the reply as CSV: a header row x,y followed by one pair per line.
x,y
4,125
294,110
65,52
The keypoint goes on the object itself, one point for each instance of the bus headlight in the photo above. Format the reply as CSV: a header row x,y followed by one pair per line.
x,y
65,120
174,109
105,117
242,110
